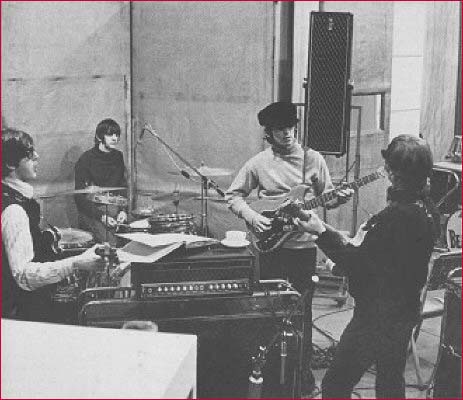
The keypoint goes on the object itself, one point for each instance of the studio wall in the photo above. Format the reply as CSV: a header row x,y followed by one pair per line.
x,y
65,67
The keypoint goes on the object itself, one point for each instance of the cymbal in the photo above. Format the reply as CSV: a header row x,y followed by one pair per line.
x,y
206,171
87,190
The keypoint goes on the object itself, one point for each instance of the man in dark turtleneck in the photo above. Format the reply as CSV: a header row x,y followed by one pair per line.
x,y
386,271
274,172
102,166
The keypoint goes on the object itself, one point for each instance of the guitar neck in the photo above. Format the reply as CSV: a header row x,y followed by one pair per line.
x,y
322,199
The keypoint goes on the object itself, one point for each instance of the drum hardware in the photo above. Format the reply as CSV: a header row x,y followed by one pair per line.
x,y
143,212
74,241
88,190
204,170
172,223
454,153
206,181
109,199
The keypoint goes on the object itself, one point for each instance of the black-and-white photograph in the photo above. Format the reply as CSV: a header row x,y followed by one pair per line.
x,y
231,199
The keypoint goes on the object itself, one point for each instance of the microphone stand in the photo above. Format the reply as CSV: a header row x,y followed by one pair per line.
x,y
206,182
256,379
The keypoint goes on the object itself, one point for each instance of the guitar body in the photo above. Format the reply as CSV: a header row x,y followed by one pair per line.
x,y
281,211
284,209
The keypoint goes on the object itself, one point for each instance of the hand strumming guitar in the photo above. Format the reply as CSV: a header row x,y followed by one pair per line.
x,y
312,224
260,223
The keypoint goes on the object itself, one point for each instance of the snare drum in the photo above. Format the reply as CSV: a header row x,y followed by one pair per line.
x,y
172,223
75,241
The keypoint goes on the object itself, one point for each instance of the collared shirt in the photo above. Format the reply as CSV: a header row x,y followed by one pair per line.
x,y
19,248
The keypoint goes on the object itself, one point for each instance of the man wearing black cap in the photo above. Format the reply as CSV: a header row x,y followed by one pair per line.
x,y
273,172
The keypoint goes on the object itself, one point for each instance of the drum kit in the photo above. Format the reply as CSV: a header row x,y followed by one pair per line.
x,y
74,241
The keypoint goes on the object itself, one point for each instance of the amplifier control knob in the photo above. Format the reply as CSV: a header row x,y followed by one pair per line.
x,y
235,286
190,287
184,288
211,287
229,286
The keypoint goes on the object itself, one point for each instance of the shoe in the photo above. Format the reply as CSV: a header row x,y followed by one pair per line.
x,y
309,388
313,393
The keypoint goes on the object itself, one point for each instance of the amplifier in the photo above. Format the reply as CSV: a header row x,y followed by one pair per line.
x,y
230,330
200,272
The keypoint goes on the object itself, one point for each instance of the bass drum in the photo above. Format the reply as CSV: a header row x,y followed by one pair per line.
x,y
453,231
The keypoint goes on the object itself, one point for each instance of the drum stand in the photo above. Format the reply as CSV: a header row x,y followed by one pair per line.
x,y
206,182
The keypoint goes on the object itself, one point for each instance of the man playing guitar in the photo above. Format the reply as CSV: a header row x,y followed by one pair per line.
x,y
273,172
28,269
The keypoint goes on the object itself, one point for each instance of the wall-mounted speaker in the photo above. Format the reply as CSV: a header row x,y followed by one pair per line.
x,y
328,99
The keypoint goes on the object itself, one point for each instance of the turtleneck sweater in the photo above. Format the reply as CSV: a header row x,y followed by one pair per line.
x,y
273,173
99,168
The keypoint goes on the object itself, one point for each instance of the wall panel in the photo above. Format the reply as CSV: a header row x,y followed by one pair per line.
x,y
201,71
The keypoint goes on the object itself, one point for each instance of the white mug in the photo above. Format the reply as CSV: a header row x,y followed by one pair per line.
x,y
235,236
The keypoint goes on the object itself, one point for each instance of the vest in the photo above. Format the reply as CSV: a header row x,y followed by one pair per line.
x,y
18,303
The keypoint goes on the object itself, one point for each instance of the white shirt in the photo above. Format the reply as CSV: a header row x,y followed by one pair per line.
x,y
19,248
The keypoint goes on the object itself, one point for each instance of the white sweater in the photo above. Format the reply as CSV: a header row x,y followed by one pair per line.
x,y
272,174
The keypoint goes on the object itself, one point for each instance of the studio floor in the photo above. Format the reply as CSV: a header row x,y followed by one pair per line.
x,y
330,318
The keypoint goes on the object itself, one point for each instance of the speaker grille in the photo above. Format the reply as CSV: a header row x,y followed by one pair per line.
x,y
328,109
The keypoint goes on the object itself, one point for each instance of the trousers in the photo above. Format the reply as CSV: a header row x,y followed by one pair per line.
x,y
368,341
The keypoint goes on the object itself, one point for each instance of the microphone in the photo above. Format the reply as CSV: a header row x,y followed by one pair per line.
x,y
141,136
283,356
256,380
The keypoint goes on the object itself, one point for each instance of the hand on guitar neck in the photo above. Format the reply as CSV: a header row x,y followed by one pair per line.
x,y
280,213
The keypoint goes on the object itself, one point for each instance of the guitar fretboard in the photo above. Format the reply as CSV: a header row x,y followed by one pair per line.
x,y
322,199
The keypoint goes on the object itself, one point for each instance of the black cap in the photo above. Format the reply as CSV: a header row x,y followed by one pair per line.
x,y
281,114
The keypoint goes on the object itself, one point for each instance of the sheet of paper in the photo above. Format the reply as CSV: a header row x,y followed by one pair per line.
x,y
142,253
164,239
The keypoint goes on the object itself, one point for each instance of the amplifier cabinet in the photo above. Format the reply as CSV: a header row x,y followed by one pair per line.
x,y
229,330
214,271
447,380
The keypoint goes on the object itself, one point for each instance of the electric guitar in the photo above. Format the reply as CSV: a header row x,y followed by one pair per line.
x,y
283,210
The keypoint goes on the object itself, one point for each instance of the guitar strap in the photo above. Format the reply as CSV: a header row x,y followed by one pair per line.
x,y
304,163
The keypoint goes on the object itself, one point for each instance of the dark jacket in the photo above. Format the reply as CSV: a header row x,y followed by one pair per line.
x,y
98,168
388,270
16,302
